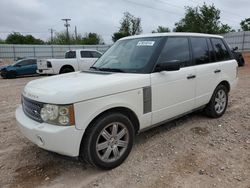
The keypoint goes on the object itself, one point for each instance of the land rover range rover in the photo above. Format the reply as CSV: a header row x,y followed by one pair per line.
x,y
140,82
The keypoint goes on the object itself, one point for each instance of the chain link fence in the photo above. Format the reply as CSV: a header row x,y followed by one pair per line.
x,y
8,51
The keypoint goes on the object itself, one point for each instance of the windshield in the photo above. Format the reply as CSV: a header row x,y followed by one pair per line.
x,y
131,55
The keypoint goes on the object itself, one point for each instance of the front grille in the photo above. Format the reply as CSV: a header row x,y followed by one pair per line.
x,y
32,109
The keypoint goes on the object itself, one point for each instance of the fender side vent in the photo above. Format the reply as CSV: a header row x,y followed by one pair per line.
x,y
147,100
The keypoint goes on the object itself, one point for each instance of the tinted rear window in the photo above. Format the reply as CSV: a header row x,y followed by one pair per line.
x,y
70,55
200,50
96,54
221,51
86,54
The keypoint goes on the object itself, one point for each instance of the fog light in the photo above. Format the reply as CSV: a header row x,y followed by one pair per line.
x,y
64,120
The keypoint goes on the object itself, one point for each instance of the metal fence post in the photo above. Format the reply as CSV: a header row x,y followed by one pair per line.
x,y
52,51
14,52
34,51
243,42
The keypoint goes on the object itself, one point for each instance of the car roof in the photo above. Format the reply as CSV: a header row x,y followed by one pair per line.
x,y
172,34
84,50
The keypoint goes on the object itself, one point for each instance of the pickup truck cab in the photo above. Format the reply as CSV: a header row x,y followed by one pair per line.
x,y
75,60
140,82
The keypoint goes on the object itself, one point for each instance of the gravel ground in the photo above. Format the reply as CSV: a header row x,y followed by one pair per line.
x,y
193,151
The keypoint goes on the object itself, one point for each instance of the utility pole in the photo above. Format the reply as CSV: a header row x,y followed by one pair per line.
x,y
51,34
67,25
76,32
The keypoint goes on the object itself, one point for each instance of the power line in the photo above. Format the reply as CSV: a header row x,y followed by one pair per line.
x,y
147,6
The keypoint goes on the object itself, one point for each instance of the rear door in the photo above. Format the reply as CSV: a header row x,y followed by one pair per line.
x,y
87,60
206,66
173,92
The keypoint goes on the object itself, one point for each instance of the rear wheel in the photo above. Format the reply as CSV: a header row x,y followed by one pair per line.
x,y
66,70
108,141
218,103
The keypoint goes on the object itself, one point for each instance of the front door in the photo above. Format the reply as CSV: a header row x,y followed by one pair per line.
x,y
173,92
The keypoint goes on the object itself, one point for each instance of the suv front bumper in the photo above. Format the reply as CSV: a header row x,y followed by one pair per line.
x,y
64,140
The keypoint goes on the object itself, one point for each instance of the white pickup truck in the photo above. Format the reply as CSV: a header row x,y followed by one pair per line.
x,y
75,60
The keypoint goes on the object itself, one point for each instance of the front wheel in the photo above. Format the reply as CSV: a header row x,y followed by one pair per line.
x,y
11,74
218,103
108,141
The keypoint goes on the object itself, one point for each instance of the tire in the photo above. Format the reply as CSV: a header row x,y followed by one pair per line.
x,y
66,70
218,103
101,147
11,74
241,62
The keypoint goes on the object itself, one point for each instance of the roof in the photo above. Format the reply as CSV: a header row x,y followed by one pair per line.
x,y
172,34
83,49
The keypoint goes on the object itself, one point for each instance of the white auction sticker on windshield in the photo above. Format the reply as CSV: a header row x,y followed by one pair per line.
x,y
145,43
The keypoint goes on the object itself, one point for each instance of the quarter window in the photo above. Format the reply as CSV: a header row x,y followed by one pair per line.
x,y
175,49
221,51
200,50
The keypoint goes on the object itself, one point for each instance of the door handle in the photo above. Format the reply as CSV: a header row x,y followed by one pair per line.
x,y
191,76
217,71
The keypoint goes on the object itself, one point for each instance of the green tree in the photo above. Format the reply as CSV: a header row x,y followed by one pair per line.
x,y
2,41
161,29
87,39
245,24
17,38
130,25
92,38
61,38
202,19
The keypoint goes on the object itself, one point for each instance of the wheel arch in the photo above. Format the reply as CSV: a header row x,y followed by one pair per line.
x,y
124,110
226,84
66,66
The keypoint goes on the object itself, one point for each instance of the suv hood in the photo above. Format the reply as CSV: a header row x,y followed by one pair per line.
x,y
79,86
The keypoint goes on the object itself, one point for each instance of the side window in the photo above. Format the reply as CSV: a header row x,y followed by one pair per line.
x,y
24,62
96,54
200,50
176,48
70,55
211,51
221,51
86,54
32,62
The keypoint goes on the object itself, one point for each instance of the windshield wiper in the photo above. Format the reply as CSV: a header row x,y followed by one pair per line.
x,y
95,68
106,69
110,69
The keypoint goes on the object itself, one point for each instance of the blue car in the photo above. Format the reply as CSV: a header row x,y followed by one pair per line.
x,y
20,68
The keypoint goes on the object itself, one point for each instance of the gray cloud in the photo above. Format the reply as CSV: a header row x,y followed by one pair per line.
x,y
103,17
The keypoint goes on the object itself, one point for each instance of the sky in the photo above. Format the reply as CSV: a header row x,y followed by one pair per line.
x,y
36,17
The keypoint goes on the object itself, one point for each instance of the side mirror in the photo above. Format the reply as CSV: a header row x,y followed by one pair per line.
x,y
173,65
235,49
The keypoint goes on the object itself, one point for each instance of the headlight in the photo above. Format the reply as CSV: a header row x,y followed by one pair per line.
x,y
57,114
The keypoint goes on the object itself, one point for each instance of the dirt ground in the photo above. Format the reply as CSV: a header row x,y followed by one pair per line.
x,y
193,151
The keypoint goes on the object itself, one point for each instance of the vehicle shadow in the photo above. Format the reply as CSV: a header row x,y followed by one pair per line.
x,y
44,166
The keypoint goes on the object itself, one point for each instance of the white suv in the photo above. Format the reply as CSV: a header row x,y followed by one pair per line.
x,y
140,82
